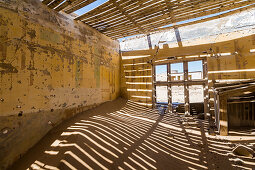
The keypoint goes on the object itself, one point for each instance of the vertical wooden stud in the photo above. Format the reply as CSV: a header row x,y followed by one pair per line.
x,y
153,86
169,87
223,116
149,41
206,90
186,88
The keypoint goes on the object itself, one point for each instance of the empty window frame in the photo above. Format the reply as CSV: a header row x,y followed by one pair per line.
x,y
161,72
196,94
161,94
177,73
177,94
195,70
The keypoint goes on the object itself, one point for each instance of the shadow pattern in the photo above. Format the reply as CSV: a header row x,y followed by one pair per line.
x,y
132,137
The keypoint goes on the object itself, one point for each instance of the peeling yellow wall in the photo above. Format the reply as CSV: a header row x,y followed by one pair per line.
x,y
51,69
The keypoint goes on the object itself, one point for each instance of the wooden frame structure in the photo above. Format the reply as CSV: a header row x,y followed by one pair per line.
x,y
222,94
185,82
121,18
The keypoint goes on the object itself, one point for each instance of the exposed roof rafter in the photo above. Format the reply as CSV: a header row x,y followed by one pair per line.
x,y
120,18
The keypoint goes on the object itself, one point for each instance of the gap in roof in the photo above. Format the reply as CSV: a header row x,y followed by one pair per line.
x,y
191,20
60,4
90,7
125,38
207,16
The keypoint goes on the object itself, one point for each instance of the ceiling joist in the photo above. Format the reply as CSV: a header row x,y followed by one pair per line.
x,y
120,18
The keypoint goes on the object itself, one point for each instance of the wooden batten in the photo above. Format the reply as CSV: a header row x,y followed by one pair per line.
x,y
130,17
206,88
223,116
55,3
153,86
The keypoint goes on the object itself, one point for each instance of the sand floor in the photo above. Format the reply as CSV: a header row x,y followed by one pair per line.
x,y
124,135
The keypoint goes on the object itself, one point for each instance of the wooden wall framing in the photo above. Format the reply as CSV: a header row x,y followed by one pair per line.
x,y
237,64
186,83
225,92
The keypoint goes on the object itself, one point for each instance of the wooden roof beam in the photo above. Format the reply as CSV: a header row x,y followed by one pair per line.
x,y
64,5
55,3
105,6
79,6
127,15
46,2
170,10
204,20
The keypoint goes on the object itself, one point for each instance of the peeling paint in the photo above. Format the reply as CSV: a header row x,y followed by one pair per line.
x,y
49,36
50,65
7,68
45,72
32,34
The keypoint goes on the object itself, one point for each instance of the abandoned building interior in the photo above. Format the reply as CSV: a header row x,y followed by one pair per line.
x,y
127,84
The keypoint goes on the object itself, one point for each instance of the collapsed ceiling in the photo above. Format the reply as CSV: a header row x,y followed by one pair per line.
x,y
121,18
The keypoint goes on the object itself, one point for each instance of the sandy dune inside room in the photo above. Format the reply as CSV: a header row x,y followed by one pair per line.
x,y
124,135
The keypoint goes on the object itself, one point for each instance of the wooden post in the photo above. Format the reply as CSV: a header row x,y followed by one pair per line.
x,y
206,88
169,87
153,75
223,116
211,103
153,86
253,112
217,109
149,41
186,88
178,37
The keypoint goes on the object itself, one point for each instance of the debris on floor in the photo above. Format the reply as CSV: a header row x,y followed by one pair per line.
x,y
170,135
237,161
201,116
243,150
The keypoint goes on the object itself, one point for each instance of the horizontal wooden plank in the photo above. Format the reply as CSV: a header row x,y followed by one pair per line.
x,y
46,1
55,3
120,18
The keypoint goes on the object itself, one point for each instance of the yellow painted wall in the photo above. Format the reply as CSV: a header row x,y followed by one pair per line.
x,y
51,68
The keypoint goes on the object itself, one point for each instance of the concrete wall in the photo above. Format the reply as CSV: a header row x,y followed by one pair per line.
x,y
51,68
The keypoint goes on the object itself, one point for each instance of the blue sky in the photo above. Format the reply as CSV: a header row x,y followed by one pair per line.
x,y
161,69
90,7
192,66
195,66
177,66
100,2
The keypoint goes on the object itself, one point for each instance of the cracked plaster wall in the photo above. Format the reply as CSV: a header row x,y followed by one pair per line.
x,y
51,68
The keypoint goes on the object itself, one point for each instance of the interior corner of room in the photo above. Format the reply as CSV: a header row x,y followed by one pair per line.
x,y
127,84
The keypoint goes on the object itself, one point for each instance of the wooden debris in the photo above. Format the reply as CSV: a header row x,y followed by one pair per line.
x,y
243,150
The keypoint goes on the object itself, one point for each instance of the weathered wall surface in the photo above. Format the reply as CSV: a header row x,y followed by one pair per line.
x,y
51,68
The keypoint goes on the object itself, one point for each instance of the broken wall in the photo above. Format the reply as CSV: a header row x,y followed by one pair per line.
x,y
52,68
